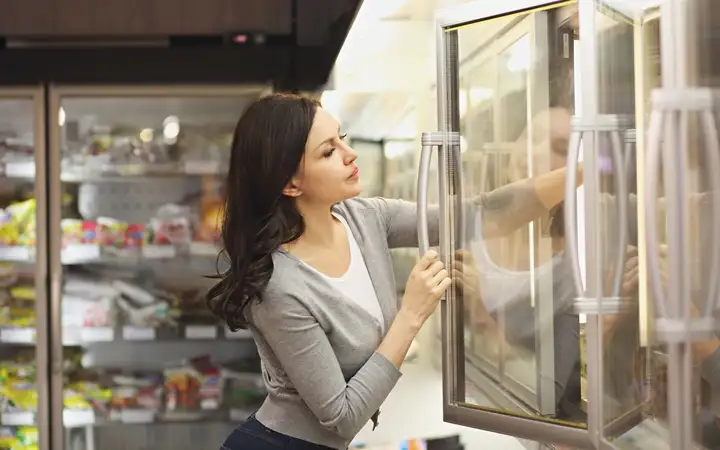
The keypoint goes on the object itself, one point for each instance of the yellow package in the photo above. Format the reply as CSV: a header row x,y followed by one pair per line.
x,y
26,293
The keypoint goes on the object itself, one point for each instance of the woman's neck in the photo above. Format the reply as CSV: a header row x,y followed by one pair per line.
x,y
320,226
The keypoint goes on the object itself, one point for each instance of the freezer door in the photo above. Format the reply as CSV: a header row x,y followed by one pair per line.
x,y
513,358
24,355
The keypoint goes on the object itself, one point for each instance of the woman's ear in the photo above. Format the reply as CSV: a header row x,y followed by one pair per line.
x,y
292,189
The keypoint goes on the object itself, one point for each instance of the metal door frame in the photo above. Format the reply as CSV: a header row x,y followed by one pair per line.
x,y
55,94
42,354
452,345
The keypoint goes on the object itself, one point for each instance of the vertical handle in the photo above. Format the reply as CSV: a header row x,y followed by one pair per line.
x,y
652,164
422,194
711,135
621,193
571,210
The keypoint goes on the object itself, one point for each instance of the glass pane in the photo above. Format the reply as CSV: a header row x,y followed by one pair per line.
x,y
143,181
625,362
638,368
511,276
18,319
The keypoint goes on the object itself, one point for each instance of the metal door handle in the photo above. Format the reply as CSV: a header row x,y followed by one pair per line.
x,y
621,193
652,165
571,210
422,194
711,135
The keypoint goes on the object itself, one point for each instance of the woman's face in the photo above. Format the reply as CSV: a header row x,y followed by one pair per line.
x,y
551,135
328,173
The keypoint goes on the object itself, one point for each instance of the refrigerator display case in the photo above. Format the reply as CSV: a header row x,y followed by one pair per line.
x,y
24,262
135,187
587,320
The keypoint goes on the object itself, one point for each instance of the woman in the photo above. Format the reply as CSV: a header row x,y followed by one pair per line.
x,y
311,276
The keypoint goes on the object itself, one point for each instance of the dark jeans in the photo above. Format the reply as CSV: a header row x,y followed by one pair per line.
x,y
252,435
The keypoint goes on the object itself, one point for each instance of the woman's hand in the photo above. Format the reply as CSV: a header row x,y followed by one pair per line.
x,y
426,284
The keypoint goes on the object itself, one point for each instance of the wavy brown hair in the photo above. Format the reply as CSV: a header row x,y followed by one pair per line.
x,y
268,146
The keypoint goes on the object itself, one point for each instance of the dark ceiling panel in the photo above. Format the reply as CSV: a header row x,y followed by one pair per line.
x,y
127,18
62,41
144,65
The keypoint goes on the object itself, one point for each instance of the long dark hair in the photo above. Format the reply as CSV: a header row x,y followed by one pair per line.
x,y
268,146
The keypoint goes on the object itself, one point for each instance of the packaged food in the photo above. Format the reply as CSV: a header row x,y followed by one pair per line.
x,y
89,233
111,232
197,386
76,231
182,389
134,236
72,231
170,226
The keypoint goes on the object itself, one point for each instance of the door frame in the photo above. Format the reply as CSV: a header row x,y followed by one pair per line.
x,y
452,329
36,95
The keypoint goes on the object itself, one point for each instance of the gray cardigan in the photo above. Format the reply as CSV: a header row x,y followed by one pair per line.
x,y
324,378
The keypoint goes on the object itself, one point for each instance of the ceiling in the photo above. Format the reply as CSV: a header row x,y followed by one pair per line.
x,y
388,65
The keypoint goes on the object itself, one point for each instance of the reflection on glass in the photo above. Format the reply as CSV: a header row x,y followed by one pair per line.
x,y
516,103
637,364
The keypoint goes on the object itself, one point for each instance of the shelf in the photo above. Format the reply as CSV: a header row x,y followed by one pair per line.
x,y
73,418
82,336
93,253
127,172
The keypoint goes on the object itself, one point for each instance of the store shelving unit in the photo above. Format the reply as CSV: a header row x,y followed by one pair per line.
x,y
108,236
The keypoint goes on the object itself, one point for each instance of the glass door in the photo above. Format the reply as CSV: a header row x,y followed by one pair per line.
x,y
23,271
512,338
137,180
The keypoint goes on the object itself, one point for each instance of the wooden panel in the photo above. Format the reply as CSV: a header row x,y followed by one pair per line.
x,y
38,18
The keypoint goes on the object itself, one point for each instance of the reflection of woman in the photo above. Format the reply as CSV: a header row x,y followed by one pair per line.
x,y
311,277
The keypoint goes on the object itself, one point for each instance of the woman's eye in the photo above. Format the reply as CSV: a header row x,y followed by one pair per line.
x,y
343,136
329,153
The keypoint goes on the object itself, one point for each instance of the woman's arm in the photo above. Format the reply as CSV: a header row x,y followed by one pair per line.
x,y
305,354
503,210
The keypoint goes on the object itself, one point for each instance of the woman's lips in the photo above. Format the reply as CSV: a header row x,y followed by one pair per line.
x,y
355,173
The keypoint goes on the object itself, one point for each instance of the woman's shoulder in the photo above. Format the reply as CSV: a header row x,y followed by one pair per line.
x,y
284,290
362,204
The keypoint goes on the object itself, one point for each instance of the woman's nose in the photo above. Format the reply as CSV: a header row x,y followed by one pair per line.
x,y
350,156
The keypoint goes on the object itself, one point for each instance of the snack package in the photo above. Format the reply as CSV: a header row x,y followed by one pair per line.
x,y
182,389
170,226
134,236
17,224
77,231
111,232
197,386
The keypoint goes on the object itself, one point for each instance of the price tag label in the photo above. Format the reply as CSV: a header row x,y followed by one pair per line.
x,y
138,333
200,332
202,167
98,334
20,169
80,252
204,249
159,251
15,253
18,419
137,416
18,335
78,417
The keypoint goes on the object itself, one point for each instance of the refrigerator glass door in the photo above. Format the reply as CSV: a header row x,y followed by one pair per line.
x,y
23,269
512,341
137,180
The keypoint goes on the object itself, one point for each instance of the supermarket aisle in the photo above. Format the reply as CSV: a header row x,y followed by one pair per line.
x,y
413,410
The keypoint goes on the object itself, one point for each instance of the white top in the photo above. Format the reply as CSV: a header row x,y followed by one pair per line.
x,y
355,283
